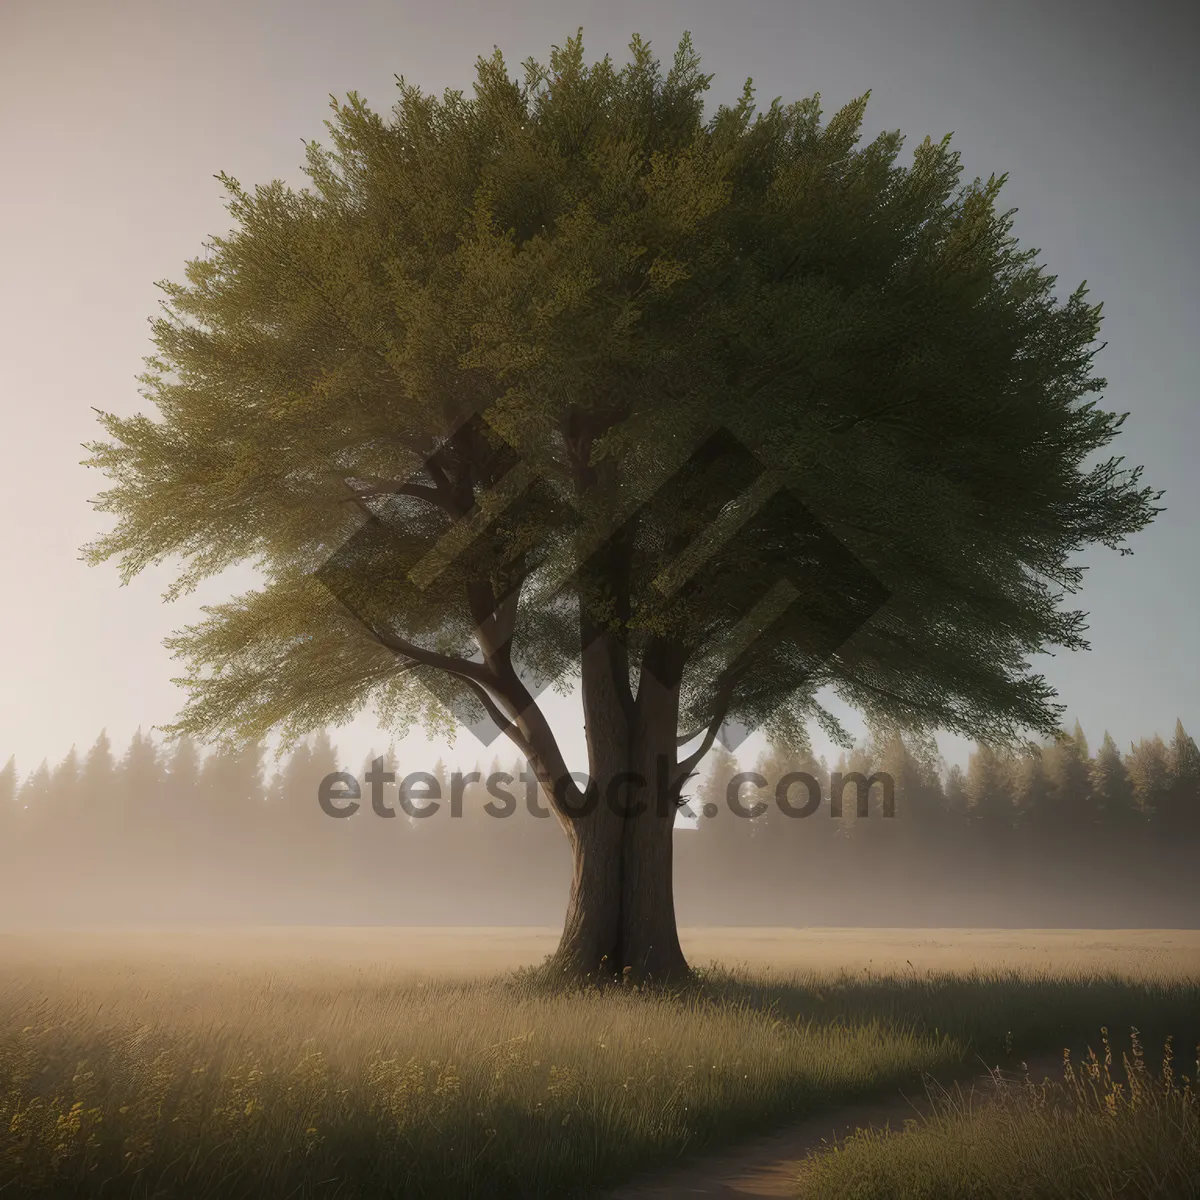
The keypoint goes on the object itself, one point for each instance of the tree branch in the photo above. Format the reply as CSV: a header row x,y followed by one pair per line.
x,y
722,701
510,729
465,668
530,729
496,621
397,487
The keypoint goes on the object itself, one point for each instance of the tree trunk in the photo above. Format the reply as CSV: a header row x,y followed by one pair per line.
x,y
649,935
621,914
590,943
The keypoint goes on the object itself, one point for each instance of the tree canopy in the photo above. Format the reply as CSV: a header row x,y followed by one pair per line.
x,y
567,372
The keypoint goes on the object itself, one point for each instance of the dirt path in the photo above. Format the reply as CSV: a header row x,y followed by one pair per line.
x,y
767,1166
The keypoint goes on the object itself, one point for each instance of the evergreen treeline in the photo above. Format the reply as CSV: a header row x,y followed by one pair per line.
x,y
1053,836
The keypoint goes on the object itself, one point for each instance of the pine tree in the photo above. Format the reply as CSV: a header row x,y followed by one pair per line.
x,y
1081,743
97,787
861,760
920,800
989,788
442,775
711,791
9,828
957,800
231,790
182,767
297,771
775,765
1068,769
139,782
1112,788
724,832
1033,795
368,768
1149,766
180,779
8,794
324,758
34,792
41,836
64,787
180,816
306,828
1183,797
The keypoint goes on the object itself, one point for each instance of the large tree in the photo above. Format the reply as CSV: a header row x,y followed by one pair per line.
x,y
567,382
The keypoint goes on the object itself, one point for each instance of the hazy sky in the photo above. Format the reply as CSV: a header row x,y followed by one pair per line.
x,y
114,117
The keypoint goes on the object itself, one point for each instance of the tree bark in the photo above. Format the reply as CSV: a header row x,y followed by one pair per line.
x,y
621,913
620,918
649,934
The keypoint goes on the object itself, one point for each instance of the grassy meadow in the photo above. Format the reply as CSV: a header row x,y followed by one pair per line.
x,y
429,1063
1113,1126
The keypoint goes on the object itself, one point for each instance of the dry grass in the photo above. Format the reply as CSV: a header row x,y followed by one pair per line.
x,y
331,1063
451,952
1102,1132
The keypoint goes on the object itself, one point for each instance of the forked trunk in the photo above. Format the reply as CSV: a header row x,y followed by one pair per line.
x,y
621,913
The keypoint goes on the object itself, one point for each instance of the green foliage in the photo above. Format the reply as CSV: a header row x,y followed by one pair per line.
x,y
608,276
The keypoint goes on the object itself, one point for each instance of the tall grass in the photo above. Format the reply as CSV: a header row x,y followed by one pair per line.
x,y
992,1013
1100,1133
480,1090
311,1082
